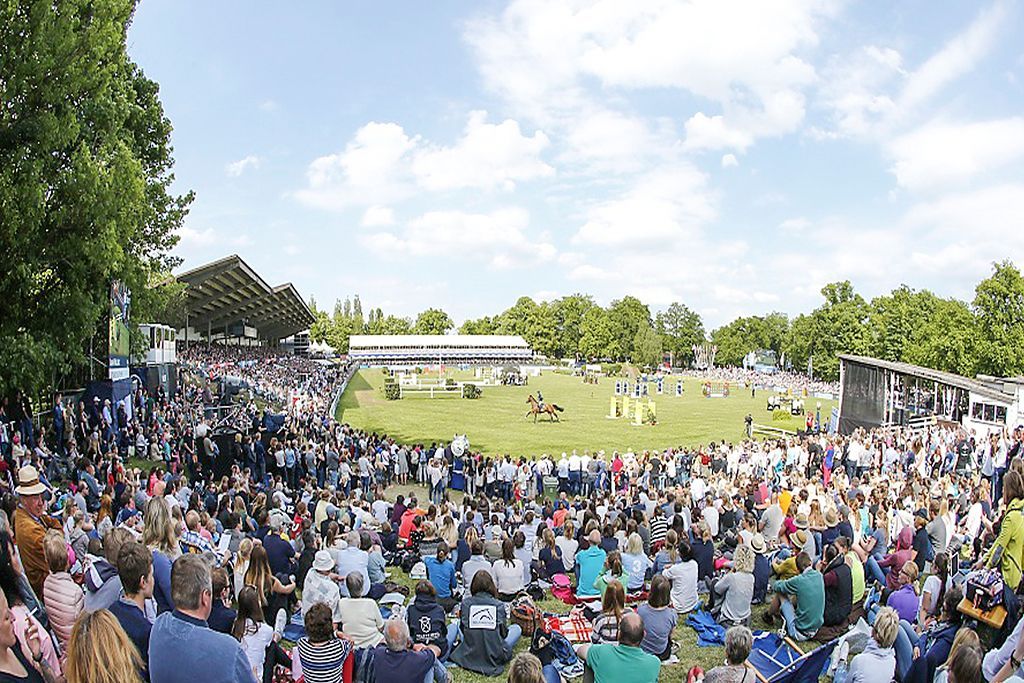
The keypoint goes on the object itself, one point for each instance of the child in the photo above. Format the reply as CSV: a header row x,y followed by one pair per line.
x,y
62,597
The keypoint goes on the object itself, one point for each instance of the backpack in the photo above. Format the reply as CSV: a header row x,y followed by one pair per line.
x,y
984,589
524,612
561,588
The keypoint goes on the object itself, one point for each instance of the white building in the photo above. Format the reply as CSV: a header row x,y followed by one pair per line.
x,y
444,349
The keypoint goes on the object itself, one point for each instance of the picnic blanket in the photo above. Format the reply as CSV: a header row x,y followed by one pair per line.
x,y
709,632
574,626
570,598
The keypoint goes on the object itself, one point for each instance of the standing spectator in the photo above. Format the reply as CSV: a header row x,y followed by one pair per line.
x,y
62,596
135,567
211,657
30,526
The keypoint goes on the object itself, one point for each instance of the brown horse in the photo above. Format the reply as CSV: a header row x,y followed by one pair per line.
x,y
548,409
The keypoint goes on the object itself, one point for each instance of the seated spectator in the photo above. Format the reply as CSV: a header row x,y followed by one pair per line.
x,y
739,641
807,590
211,656
399,660
508,572
259,640
659,621
683,576
934,645
731,596
613,606
427,621
102,585
635,563
476,563
135,567
934,590
527,668
486,639
221,617
589,565
550,555
877,663
703,550
966,638
360,617
320,587
882,571
352,558
624,661
98,652
905,600
762,568
669,553
612,571
320,652
61,595
785,565
441,573
22,662
568,545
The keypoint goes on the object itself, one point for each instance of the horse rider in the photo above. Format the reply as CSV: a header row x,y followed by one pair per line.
x,y
540,401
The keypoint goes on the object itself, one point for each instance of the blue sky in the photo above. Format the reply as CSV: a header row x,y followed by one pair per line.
x,y
731,155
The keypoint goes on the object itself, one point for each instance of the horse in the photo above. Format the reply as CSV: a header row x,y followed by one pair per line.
x,y
548,409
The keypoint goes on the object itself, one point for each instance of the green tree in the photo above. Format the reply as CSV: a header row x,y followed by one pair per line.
x,y
647,349
839,326
569,312
432,321
321,327
484,325
946,340
680,328
395,325
358,322
596,334
626,316
999,307
85,176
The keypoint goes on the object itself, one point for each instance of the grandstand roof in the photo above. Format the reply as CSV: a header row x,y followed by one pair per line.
x,y
229,291
434,340
947,378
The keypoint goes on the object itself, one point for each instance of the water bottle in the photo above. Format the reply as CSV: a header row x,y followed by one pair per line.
x,y
840,676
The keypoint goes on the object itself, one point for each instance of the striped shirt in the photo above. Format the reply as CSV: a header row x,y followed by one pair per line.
x,y
323,663
659,528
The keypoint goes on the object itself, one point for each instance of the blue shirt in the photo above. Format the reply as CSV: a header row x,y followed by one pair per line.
x,y
279,554
442,575
183,649
136,625
590,563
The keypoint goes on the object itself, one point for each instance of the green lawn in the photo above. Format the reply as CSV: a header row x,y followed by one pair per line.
x,y
497,422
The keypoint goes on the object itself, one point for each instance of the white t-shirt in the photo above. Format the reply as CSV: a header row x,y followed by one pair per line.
x,y
683,576
568,548
931,586
508,577
254,643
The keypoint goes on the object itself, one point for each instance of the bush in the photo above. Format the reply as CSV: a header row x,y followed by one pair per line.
x,y
449,382
391,391
780,415
611,369
471,391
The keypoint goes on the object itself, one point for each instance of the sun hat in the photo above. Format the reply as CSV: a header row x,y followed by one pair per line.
x,y
831,518
322,561
801,521
757,544
28,482
800,538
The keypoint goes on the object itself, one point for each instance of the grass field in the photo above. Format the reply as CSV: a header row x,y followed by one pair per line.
x,y
496,422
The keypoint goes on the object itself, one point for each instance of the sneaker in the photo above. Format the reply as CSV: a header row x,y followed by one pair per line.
x,y
695,675
844,651
671,660
280,621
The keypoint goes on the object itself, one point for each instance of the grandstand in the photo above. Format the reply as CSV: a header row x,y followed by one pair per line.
x,y
229,303
443,349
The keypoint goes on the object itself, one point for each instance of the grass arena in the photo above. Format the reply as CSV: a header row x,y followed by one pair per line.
x,y
498,422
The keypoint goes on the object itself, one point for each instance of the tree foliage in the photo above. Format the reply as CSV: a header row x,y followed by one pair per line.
x,y
680,329
432,321
85,176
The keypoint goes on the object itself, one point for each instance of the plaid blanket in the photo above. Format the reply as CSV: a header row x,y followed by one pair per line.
x,y
574,626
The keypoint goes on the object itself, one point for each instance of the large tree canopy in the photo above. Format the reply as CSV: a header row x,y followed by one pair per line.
x,y
85,176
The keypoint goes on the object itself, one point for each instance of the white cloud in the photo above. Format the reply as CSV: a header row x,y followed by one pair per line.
x,y
606,140
191,237
488,156
729,161
269,105
498,238
543,57
939,153
794,225
378,216
662,206
237,168
383,164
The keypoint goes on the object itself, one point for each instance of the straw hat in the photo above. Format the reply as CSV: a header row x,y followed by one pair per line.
x,y
801,521
831,518
800,538
757,544
28,482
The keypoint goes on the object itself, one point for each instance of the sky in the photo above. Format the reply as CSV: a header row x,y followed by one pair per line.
x,y
731,155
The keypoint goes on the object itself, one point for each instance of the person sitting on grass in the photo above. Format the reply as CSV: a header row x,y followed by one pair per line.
x,y
683,576
659,621
877,663
807,590
612,571
399,660
320,650
589,565
486,638
739,641
624,661
732,595
441,573
613,607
